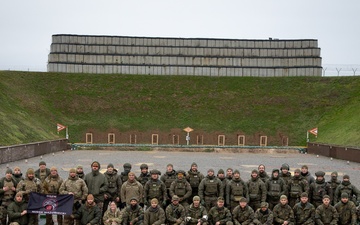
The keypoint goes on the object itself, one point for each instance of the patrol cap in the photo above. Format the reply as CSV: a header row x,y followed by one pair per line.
x,y
344,195
144,166
42,163
154,171
326,196
196,198
220,199
72,170
283,197
175,198
320,174
110,165
346,176
242,199
297,171
8,171
304,194
134,198
264,205
221,171
127,165
237,171
180,172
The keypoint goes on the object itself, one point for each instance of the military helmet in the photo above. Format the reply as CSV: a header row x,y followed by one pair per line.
x,y
144,166
180,171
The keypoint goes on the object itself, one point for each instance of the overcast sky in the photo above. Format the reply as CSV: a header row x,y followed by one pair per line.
x,y
27,26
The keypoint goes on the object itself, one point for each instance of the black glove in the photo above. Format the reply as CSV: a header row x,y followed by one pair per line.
x,y
142,205
123,205
77,205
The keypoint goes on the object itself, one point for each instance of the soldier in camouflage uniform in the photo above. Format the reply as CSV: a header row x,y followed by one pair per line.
x,y
181,188
262,173
296,185
42,172
257,190
51,185
131,188
145,176
154,188
319,188
348,188
229,174
210,188
154,215
326,214
168,177
133,214
175,213
334,183
194,177
112,215
263,216
17,175
346,210
306,174
235,190
304,211
243,214
114,186
221,176
220,215
7,193
285,173
275,187
28,185
283,213
124,174
75,186
196,214
80,172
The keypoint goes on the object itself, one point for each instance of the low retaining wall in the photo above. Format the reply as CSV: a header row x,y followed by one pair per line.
x,y
17,152
334,151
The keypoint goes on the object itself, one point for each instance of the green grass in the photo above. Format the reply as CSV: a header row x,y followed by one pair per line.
x,y
32,103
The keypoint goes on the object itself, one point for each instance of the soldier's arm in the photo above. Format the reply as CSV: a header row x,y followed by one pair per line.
x,y
221,189
97,216
145,191
104,186
353,215
118,185
172,189
161,219
227,193
62,190
306,186
201,190
141,194
277,219
123,192
330,192
246,192
164,191
188,191
250,219
318,217
336,195
84,189
227,217
169,214
335,217
234,214
311,219
263,191
270,219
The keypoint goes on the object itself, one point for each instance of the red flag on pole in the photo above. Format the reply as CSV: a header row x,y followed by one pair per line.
x,y
60,127
314,131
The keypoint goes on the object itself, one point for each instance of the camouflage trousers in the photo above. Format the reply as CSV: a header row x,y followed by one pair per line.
x,y
210,202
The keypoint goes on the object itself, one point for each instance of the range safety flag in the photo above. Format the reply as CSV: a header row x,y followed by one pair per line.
x,y
60,127
50,204
314,131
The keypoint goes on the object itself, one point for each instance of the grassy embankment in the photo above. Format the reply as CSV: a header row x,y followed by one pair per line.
x,y
32,103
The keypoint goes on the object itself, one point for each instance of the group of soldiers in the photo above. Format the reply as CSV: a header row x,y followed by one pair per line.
x,y
179,197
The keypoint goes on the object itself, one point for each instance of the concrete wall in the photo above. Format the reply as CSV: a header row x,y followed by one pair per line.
x,y
180,56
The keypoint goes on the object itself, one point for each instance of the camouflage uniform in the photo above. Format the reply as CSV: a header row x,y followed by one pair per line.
x,y
144,176
154,189
131,189
326,215
154,216
78,188
275,187
181,188
210,188
263,217
350,189
175,214
6,197
318,189
42,173
296,185
334,183
262,174
222,215
304,213
168,178
114,186
285,176
283,213
347,212
243,216
235,189
224,181
115,218
135,215
194,214
194,178
79,172
17,175
257,191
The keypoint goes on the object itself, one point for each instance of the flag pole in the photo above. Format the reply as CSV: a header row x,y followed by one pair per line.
x,y
307,136
67,133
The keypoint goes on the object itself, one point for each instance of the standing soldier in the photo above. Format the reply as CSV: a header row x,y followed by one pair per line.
x,y
77,187
283,213
80,172
115,183
347,187
196,214
131,188
263,216
285,173
257,190
304,211
28,185
319,188
42,172
17,175
296,185
175,213
124,174
326,213
133,214
7,193
262,173
334,183
220,215
97,185
224,181
306,174
144,175
155,188
181,188
243,214
229,174
154,215
346,210
210,188
275,187
194,177
235,190
51,185
168,178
